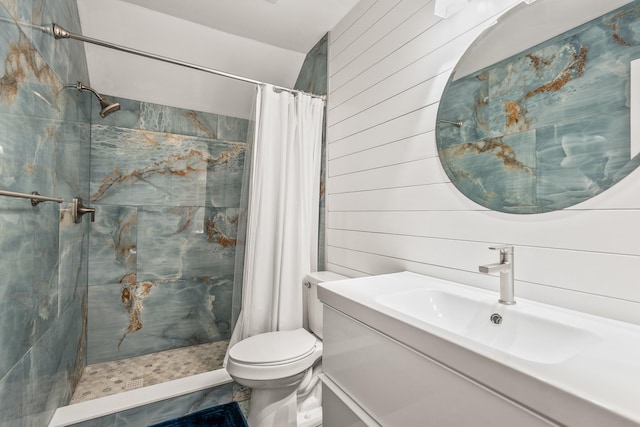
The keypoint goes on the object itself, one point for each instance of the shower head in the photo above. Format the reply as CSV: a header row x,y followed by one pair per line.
x,y
107,106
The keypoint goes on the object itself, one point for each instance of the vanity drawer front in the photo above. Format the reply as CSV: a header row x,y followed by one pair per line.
x,y
338,410
399,387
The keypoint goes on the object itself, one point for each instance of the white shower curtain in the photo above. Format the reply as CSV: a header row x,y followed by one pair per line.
x,y
282,221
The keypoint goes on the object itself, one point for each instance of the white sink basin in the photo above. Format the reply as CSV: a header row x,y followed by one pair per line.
x,y
446,310
541,337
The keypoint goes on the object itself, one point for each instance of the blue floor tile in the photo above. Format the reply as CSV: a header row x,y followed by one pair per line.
x,y
228,415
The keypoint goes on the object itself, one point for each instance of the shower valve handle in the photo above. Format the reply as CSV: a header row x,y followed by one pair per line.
x,y
78,210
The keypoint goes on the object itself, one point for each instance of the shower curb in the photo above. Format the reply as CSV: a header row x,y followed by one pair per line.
x,y
108,405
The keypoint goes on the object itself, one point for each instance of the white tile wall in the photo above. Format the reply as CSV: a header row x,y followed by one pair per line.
x,y
390,204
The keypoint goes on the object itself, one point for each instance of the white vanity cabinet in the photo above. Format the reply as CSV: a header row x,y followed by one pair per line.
x,y
397,386
413,350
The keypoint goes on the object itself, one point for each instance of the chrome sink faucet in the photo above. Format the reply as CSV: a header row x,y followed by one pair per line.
x,y
505,268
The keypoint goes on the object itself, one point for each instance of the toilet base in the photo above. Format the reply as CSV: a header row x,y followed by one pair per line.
x,y
309,400
273,407
311,418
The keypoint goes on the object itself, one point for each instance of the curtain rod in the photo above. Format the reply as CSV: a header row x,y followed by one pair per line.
x,y
60,33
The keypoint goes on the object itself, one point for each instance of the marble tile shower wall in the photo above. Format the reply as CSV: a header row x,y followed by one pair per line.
x,y
313,79
166,184
44,147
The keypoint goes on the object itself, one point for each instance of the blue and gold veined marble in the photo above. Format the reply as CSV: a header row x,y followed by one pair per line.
x,y
313,73
137,167
138,317
166,184
549,127
67,60
44,147
186,242
313,79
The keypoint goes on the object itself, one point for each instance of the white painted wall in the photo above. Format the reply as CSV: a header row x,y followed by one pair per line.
x,y
390,205
129,76
290,24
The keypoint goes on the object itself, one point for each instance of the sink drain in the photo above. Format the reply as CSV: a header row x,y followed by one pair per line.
x,y
496,319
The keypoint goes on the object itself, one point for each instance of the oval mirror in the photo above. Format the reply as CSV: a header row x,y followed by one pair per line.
x,y
536,114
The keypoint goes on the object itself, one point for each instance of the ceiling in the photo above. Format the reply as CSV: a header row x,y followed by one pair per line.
x,y
295,25
264,40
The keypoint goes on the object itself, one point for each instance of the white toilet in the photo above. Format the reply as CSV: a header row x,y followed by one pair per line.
x,y
282,367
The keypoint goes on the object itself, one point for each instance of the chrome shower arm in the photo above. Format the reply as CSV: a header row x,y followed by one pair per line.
x,y
81,86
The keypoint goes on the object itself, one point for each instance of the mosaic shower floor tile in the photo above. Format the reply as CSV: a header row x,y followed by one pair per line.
x,y
105,379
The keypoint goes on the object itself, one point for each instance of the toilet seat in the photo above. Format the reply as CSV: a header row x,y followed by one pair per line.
x,y
274,355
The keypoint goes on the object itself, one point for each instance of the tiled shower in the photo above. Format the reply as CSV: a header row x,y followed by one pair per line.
x,y
166,184
155,271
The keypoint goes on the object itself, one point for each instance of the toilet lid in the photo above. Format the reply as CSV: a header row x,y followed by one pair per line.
x,y
274,347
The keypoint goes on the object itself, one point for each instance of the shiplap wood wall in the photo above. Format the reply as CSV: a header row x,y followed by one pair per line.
x,y
391,207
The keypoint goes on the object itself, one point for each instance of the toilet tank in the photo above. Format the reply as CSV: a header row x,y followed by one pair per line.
x,y
312,302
